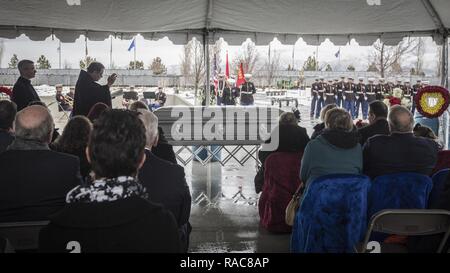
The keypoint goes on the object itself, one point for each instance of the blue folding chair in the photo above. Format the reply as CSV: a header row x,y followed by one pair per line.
x,y
332,214
399,191
439,179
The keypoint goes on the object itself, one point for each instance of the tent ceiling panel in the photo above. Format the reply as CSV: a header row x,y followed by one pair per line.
x,y
234,20
442,8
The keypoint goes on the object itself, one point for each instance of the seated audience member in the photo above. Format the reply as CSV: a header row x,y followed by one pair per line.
x,y
425,131
61,99
431,243
97,110
34,180
70,96
165,182
335,151
292,138
112,213
55,134
318,129
74,140
138,105
8,110
163,149
401,151
378,124
161,97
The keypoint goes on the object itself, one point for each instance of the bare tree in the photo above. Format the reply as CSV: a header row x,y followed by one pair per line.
x,y
439,61
186,63
248,56
388,57
198,64
271,66
419,53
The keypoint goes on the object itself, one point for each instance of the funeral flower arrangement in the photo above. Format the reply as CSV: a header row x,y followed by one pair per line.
x,y
6,90
432,101
397,99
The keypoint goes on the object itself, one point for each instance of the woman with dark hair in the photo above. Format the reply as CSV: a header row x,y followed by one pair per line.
x,y
97,110
112,213
426,132
74,140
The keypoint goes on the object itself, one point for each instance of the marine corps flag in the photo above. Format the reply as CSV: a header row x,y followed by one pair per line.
x,y
240,77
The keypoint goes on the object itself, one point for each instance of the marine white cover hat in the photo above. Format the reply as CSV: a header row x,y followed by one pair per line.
x,y
371,79
361,78
247,75
381,79
231,80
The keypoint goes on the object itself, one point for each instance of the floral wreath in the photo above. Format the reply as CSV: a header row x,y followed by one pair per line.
x,y
397,98
438,94
6,90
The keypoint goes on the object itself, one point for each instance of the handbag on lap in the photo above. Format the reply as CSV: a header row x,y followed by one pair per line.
x,y
293,206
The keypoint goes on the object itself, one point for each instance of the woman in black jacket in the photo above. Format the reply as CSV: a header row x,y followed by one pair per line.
x,y
112,213
74,140
292,138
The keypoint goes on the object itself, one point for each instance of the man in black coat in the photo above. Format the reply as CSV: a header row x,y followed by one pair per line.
x,y
8,110
88,92
34,180
23,92
165,181
401,151
378,124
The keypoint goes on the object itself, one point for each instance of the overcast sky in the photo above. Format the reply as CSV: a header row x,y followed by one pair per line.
x,y
170,54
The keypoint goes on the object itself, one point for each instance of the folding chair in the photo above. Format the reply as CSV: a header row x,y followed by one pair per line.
x,y
332,214
22,235
408,222
439,179
61,109
5,246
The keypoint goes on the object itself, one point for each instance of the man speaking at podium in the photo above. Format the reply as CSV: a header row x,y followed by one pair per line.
x,y
88,92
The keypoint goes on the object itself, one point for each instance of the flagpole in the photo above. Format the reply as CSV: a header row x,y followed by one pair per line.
x,y
317,58
110,54
340,58
59,49
134,53
293,54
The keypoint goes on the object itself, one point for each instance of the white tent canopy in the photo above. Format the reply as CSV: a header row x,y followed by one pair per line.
x,y
233,20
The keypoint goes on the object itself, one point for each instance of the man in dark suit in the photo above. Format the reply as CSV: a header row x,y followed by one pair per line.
x,y
88,92
165,181
8,110
23,92
378,124
401,151
34,180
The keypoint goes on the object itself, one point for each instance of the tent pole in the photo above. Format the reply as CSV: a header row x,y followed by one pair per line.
x,y
207,65
444,68
444,83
